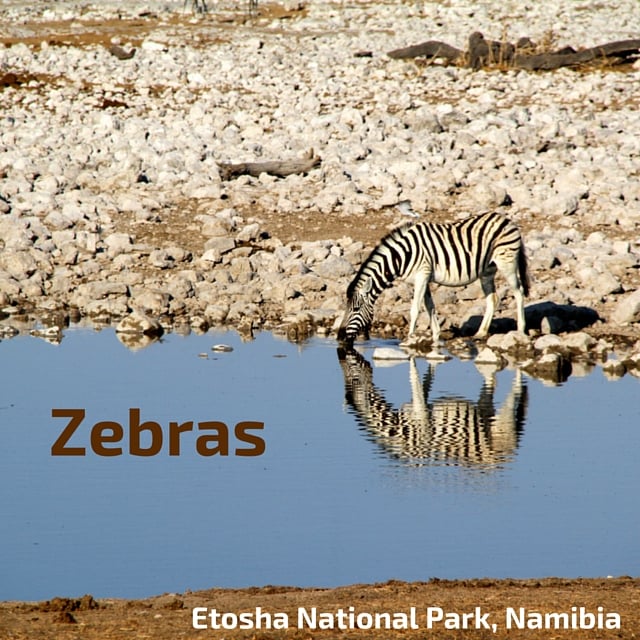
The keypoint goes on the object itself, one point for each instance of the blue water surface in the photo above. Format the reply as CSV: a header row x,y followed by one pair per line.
x,y
337,497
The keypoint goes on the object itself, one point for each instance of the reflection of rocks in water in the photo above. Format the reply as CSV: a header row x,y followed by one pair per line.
x,y
48,325
52,335
550,368
446,430
137,330
136,341
138,323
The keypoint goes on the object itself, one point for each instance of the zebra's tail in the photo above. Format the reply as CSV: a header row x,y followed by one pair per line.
x,y
523,272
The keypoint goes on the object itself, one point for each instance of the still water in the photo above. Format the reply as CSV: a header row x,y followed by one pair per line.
x,y
369,473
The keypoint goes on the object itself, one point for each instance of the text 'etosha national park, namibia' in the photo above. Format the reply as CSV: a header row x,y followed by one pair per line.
x,y
413,618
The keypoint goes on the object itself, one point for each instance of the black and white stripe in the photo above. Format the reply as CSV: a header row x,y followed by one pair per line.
x,y
445,430
452,254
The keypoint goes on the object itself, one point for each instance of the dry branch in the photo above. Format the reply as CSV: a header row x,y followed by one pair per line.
x,y
280,168
482,53
546,61
429,49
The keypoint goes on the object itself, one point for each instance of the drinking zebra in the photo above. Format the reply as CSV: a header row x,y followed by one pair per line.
x,y
452,254
200,6
448,430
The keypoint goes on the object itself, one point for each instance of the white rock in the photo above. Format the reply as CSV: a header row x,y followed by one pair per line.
x,y
579,341
334,267
548,342
627,310
118,243
222,348
153,46
18,264
217,247
248,233
138,322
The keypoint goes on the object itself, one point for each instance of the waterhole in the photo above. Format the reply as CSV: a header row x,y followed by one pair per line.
x,y
341,471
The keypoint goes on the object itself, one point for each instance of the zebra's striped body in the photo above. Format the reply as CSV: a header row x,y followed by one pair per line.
x,y
452,254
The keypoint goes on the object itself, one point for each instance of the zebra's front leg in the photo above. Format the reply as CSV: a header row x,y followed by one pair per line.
x,y
420,285
489,290
433,316
418,295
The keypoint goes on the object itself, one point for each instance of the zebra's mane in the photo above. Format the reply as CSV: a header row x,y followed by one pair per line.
x,y
383,242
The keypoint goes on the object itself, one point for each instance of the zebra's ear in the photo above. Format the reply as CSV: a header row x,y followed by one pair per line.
x,y
366,285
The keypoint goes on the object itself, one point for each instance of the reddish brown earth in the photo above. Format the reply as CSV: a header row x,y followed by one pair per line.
x,y
168,617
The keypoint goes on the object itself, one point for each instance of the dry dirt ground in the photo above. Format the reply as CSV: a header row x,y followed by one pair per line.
x,y
169,616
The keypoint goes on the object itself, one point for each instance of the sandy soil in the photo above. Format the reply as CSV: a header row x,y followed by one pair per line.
x,y
170,616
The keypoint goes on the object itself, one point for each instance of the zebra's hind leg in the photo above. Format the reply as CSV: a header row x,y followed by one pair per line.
x,y
489,290
509,269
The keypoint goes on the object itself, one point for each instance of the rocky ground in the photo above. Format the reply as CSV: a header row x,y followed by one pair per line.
x,y
118,116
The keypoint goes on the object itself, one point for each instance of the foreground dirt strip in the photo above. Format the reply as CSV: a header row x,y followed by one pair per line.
x,y
589,606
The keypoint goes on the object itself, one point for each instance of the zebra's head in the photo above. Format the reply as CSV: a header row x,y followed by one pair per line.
x,y
359,312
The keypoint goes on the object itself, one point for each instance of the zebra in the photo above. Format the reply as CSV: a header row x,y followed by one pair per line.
x,y
451,254
199,6
447,430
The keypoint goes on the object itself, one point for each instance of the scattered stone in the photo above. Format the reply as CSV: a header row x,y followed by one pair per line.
x,y
118,243
515,342
579,342
216,314
548,342
153,47
249,233
161,259
216,248
63,617
139,323
627,310
222,348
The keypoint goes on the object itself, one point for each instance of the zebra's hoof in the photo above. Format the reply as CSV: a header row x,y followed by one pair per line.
x,y
410,341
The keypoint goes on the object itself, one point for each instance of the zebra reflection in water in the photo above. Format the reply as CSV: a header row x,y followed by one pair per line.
x,y
448,430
